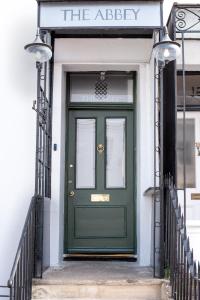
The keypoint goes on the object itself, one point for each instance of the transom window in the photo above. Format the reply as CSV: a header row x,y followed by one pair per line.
x,y
101,87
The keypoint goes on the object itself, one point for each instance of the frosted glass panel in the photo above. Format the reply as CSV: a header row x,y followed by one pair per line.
x,y
101,87
85,153
115,164
189,153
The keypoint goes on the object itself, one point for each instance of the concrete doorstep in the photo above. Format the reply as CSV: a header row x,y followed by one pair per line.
x,y
99,280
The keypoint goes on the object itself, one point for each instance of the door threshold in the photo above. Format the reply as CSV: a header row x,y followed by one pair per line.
x,y
97,256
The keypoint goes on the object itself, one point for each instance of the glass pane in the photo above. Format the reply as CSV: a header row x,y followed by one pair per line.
x,y
189,155
85,153
101,87
115,164
192,82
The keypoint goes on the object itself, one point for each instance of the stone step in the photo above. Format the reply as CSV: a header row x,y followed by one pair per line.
x,y
95,281
89,299
150,290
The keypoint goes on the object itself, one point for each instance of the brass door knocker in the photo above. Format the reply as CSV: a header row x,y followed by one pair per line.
x,y
100,148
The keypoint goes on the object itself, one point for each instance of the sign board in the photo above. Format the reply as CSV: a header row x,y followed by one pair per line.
x,y
83,15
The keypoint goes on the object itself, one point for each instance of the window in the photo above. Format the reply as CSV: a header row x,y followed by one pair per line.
x,y
101,87
192,82
115,156
189,153
85,153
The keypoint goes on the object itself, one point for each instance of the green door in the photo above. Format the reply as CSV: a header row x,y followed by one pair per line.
x,y
100,182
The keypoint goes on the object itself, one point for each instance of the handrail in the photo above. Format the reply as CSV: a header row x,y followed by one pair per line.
x,y
24,232
180,266
19,284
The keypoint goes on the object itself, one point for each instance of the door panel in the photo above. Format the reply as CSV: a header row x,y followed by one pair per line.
x,y
88,222
192,160
100,214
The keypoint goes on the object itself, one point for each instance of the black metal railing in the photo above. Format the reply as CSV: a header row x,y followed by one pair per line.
x,y
180,266
19,285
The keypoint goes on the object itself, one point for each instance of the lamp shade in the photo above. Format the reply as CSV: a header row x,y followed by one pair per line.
x,y
40,51
166,50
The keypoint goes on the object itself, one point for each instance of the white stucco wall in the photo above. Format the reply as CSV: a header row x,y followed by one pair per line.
x,y
17,123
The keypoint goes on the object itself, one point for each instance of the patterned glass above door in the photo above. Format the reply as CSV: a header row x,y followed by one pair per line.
x,y
101,87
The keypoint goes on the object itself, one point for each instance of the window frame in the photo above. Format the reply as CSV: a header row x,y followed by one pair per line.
x,y
102,105
187,107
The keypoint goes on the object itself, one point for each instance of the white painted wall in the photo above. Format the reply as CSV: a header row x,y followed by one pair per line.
x,y
17,125
193,230
192,58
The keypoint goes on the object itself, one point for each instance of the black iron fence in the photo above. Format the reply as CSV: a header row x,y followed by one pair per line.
x,y
19,285
180,266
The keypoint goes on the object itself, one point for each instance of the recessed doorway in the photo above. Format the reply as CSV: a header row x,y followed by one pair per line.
x,y
100,208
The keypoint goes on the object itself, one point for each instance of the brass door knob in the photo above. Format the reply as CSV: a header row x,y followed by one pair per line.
x,y
100,148
71,193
